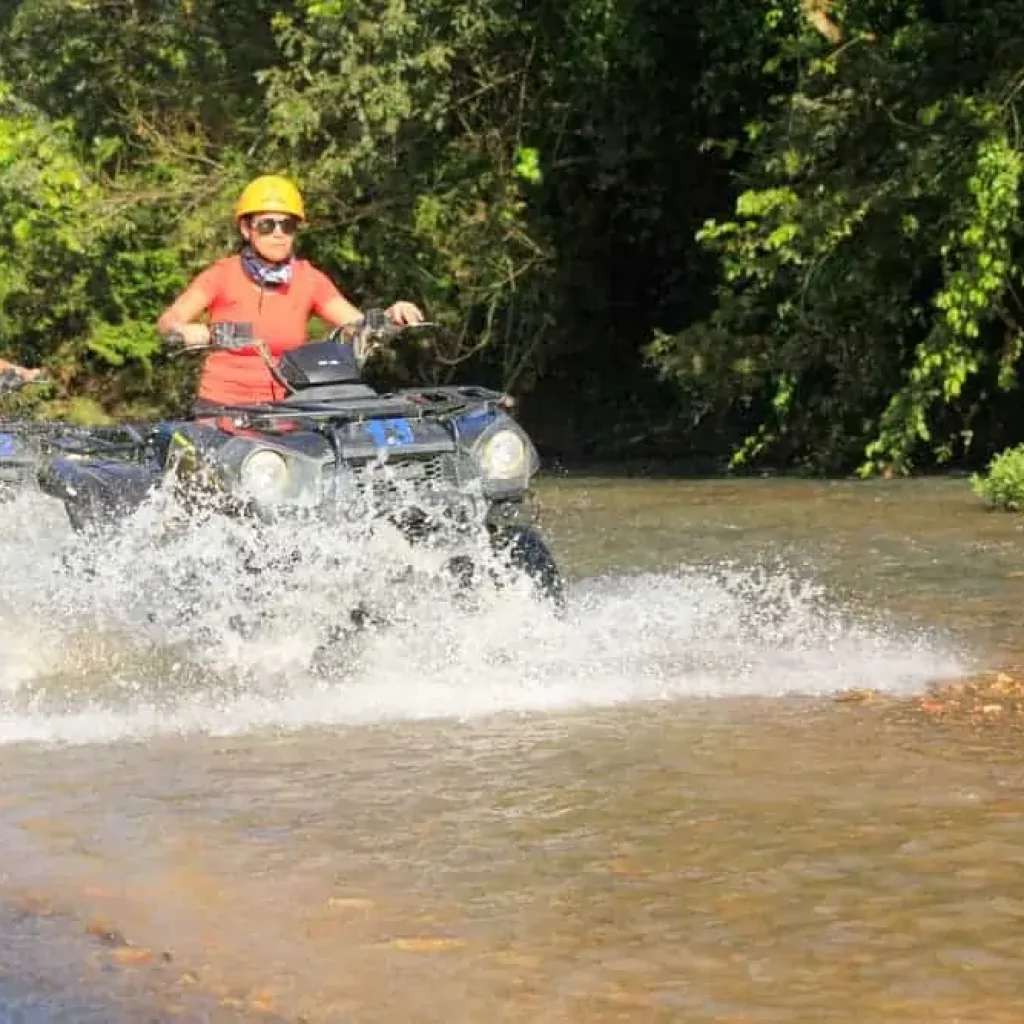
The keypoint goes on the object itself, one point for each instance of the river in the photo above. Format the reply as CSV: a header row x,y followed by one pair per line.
x,y
654,810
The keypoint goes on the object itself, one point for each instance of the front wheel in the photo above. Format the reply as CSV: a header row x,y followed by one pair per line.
x,y
525,551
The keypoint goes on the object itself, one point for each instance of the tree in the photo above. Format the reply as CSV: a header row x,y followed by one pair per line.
x,y
867,305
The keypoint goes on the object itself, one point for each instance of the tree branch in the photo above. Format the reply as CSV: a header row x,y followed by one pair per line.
x,y
817,13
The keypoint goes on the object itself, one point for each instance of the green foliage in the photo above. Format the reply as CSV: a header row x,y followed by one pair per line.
x,y
406,120
45,227
111,186
865,296
497,165
1003,487
977,261
813,246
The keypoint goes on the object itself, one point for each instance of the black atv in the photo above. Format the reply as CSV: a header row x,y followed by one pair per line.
x,y
445,465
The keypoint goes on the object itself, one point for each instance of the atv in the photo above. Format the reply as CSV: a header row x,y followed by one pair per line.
x,y
24,442
444,465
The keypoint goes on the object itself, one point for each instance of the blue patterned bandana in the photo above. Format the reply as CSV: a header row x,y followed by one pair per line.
x,y
263,273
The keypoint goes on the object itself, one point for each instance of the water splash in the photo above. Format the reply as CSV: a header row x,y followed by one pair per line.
x,y
167,629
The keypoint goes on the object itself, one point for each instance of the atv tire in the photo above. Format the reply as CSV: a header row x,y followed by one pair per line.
x,y
524,550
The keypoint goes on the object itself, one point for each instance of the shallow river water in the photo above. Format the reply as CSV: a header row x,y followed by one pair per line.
x,y
652,811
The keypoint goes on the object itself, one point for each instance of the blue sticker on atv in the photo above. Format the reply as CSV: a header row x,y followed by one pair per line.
x,y
390,433
7,444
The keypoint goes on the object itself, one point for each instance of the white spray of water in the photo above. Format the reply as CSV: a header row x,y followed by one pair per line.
x,y
149,633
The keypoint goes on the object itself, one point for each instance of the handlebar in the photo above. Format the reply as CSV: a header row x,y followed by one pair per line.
x,y
368,334
225,335
232,336
365,335
12,381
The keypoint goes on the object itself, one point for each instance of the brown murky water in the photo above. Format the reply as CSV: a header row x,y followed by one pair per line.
x,y
922,549
696,852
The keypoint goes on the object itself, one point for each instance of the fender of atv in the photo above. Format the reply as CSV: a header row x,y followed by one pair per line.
x,y
98,488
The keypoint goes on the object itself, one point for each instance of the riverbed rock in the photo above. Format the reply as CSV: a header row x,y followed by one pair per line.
x,y
130,956
423,944
105,932
865,696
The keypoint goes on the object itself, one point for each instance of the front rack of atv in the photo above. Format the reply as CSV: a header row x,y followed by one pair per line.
x,y
42,437
134,441
440,403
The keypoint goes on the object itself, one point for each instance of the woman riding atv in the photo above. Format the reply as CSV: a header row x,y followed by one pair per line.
x,y
265,285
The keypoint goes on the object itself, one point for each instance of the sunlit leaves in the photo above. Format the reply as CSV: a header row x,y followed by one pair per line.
x,y
866,267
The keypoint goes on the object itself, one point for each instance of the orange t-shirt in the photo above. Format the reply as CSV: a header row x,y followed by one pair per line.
x,y
280,318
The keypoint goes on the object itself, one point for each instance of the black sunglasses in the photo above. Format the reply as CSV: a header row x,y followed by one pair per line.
x,y
267,225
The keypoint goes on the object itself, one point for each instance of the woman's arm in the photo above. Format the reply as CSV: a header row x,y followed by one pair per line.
x,y
338,311
179,316
21,371
333,308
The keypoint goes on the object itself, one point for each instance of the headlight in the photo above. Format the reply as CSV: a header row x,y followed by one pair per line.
x,y
264,476
503,455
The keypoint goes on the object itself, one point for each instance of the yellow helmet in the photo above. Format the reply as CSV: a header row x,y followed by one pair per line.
x,y
270,194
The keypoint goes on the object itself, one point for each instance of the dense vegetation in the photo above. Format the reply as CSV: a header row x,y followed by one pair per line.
x,y
762,233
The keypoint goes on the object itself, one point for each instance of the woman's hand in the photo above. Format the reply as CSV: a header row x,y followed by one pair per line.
x,y
195,335
404,313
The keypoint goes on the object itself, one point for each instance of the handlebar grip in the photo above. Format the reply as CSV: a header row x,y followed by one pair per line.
x,y
10,380
376,321
231,335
